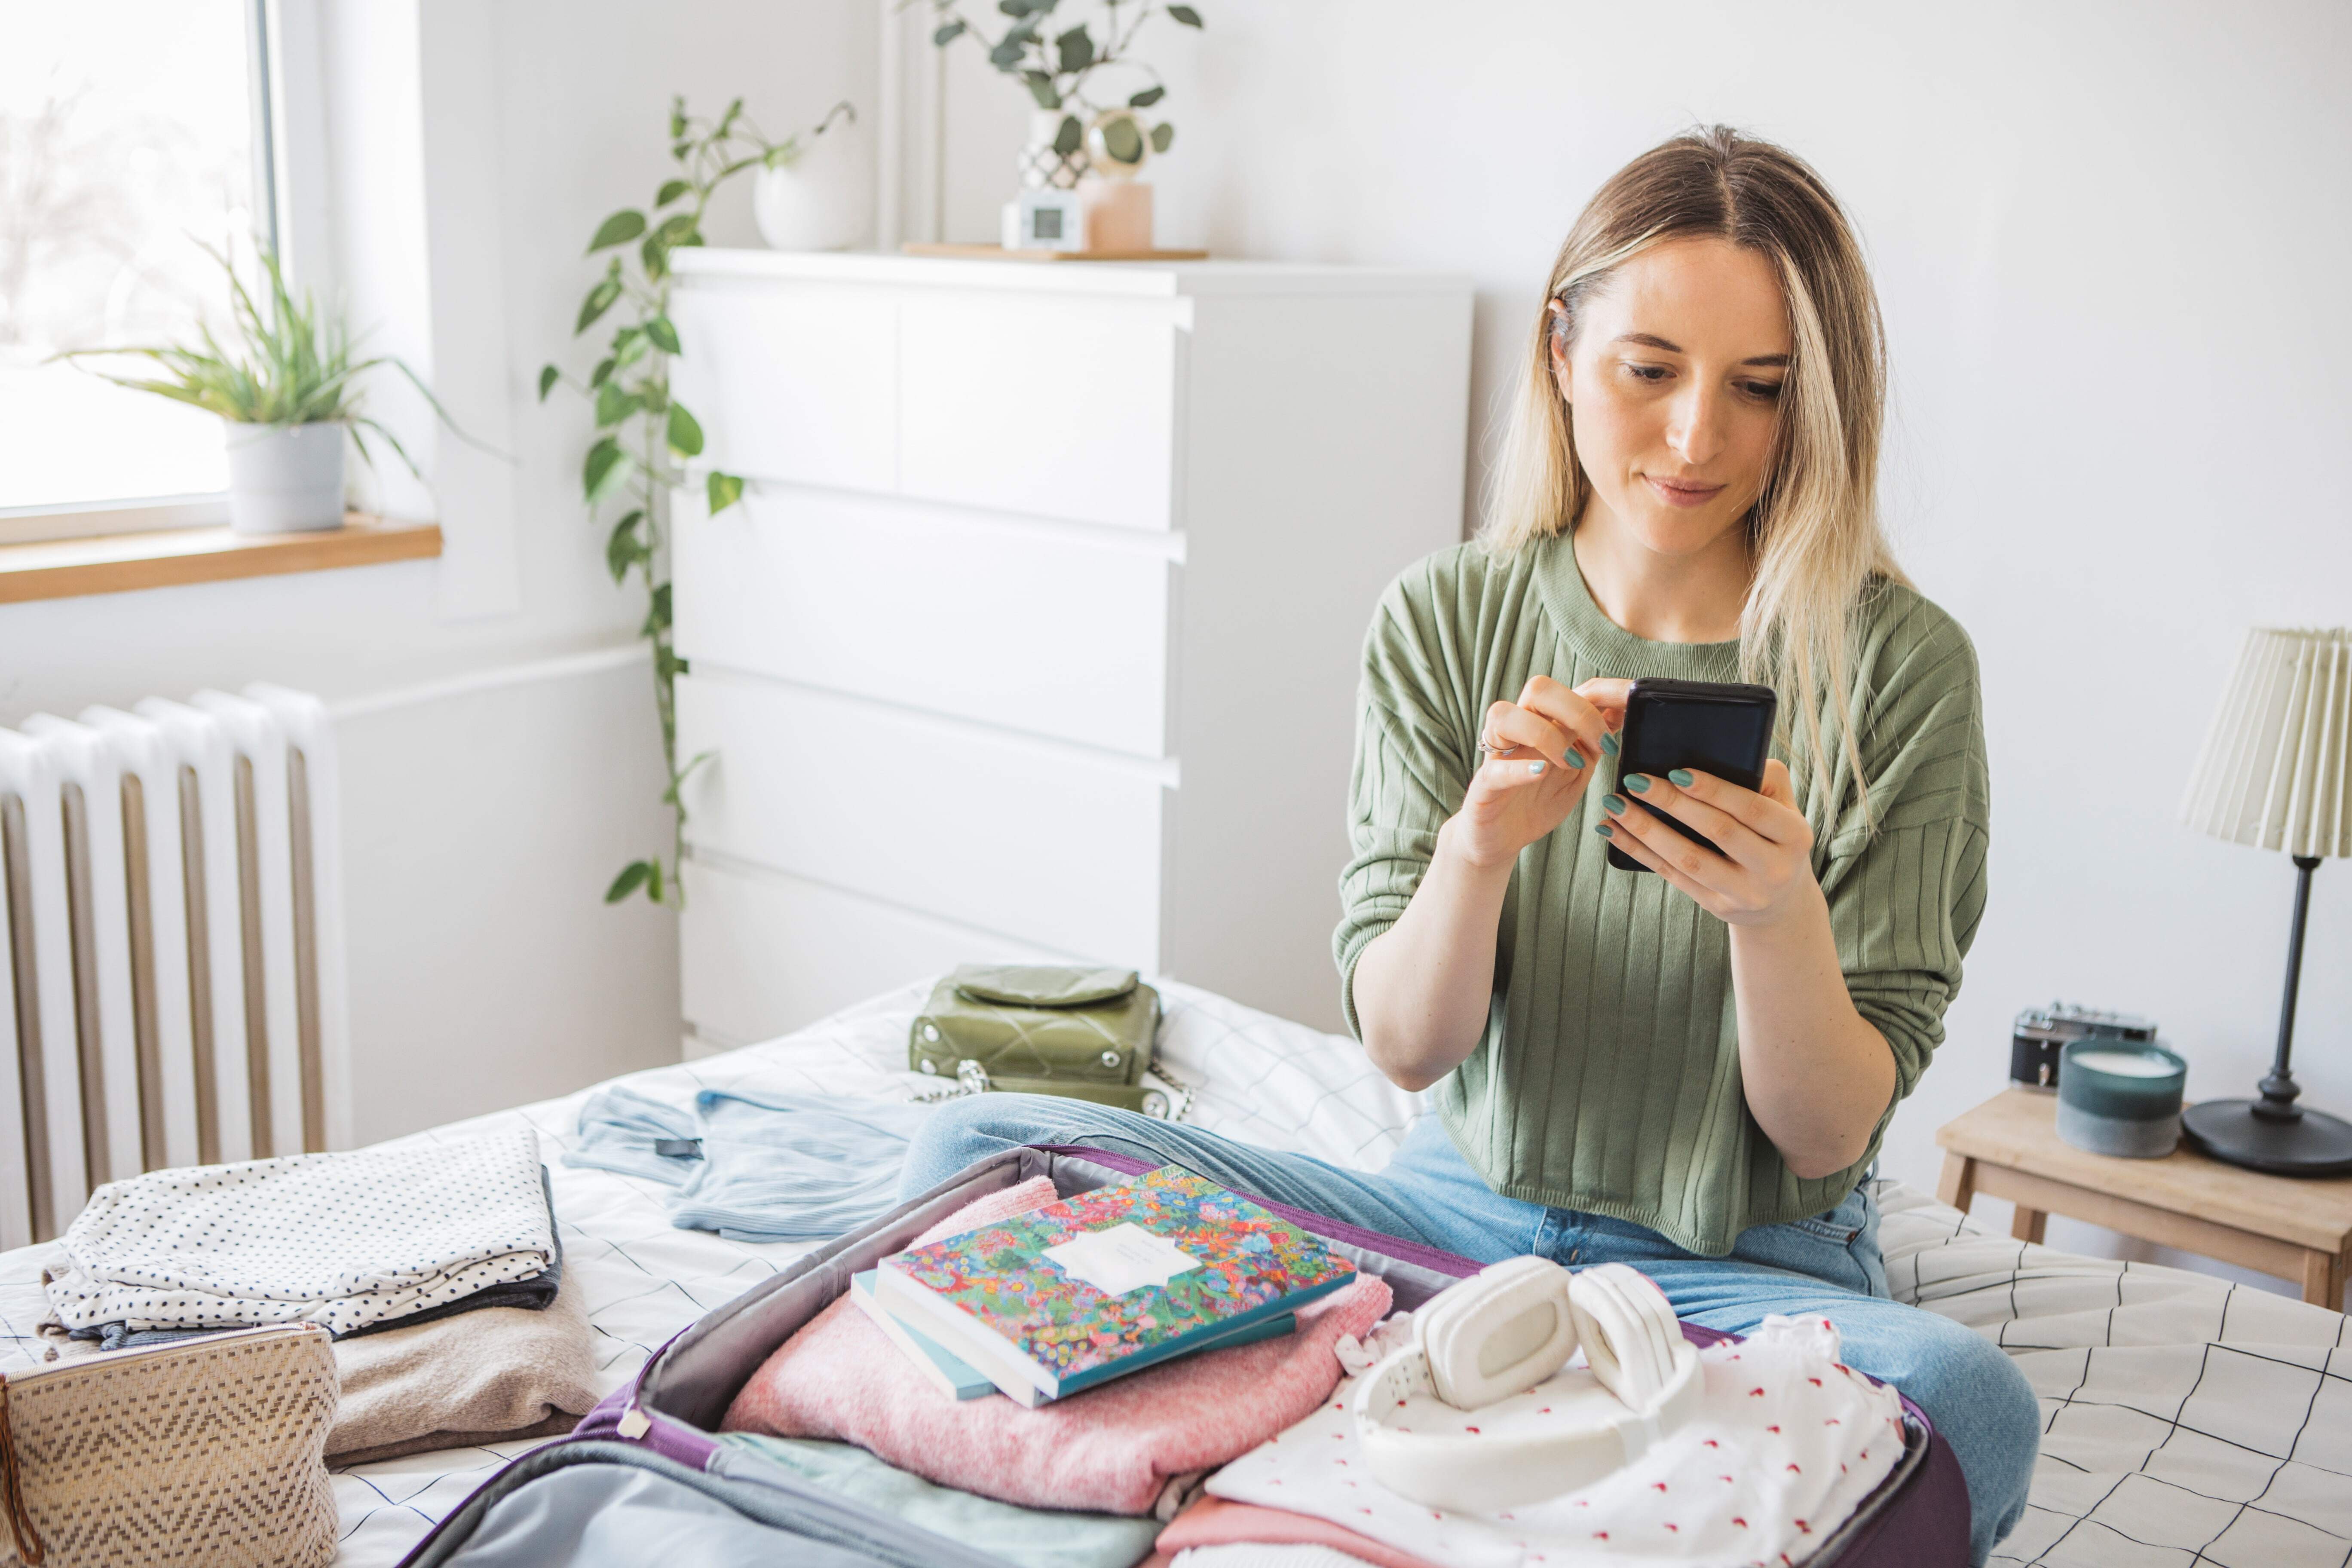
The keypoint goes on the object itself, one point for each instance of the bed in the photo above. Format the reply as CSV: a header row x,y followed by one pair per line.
x,y
2187,1420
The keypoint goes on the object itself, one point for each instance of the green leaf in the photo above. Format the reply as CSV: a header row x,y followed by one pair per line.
x,y
1007,55
1162,135
679,150
677,114
1123,139
655,254
600,299
624,549
604,470
629,351
1147,98
1075,49
726,120
604,369
654,883
633,876
670,795
725,490
663,333
1041,88
671,190
1186,14
656,612
547,377
942,36
1018,8
1065,140
619,229
614,405
685,435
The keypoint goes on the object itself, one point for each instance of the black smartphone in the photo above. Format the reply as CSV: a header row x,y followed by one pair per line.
x,y
1717,727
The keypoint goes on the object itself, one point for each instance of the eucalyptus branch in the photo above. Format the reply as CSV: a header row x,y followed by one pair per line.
x,y
645,436
1056,68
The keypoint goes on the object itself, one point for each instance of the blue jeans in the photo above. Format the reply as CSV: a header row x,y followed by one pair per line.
x,y
1826,1265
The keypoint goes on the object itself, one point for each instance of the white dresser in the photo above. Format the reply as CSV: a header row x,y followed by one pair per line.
x,y
1036,632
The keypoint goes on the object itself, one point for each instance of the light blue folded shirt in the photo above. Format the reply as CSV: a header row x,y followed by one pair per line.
x,y
1034,1537
771,1167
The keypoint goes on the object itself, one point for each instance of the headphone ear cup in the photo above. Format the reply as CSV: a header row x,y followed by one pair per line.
x,y
1503,1329
1620,1338
1641,1297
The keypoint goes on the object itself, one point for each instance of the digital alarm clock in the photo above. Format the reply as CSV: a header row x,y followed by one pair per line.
x,y
1044,219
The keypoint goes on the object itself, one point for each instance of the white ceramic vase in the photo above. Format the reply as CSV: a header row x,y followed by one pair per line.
x,y
285,478
1042,168
823,200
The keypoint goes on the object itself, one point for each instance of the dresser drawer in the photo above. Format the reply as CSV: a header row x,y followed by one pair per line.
x,y
795,382
1054,630
1039,841
1062,407
762,954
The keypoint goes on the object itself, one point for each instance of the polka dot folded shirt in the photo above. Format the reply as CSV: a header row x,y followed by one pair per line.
x,y
342,1240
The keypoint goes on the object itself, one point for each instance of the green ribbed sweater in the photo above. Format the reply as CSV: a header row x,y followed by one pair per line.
x,y
1609,1078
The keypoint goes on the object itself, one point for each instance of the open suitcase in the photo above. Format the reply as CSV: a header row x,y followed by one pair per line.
x,y
642,1480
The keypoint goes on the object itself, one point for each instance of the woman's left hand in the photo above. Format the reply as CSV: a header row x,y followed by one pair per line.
x,y
1764,873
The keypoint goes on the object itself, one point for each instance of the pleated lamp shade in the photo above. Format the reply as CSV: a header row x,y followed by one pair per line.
x,y
2276,771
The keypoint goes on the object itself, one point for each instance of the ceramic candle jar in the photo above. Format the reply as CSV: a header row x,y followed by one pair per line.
x,y
2120,1096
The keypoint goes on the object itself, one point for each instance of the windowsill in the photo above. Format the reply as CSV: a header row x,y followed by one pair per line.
x,y
169,558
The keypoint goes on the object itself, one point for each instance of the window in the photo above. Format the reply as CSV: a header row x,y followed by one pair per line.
x,y
133,134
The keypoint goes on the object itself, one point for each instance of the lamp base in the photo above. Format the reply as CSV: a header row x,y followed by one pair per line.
x,y
2312,1144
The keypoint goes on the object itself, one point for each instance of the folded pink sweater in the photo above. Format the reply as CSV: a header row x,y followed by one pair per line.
x,y
1111,1450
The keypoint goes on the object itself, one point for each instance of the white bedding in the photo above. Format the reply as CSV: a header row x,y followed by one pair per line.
x,y
2187,1420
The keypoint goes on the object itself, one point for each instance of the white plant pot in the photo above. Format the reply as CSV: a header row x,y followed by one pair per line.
x,y
823,200
285,478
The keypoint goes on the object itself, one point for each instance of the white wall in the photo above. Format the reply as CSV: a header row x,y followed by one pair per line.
x,y
2107,238
481,829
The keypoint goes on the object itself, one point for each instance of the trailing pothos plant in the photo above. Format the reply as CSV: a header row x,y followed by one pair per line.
x,y
644,434
1058,64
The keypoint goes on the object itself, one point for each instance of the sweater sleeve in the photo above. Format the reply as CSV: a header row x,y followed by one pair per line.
x,y
1412,767
1906,899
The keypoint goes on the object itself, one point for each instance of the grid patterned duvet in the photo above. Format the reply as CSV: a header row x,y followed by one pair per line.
x,y
2186,1420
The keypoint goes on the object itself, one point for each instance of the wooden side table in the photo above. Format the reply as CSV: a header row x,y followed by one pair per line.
x,y
2008,1147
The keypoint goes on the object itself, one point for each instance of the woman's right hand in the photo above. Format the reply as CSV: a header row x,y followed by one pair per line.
x,y
1541,752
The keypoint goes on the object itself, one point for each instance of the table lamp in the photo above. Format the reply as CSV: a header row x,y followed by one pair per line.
x,y
2276,773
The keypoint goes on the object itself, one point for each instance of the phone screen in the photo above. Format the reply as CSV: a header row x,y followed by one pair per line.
x,y
1727,735
1726,738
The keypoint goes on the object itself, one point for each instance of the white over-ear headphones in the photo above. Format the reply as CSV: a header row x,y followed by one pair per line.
x,y
1498,1344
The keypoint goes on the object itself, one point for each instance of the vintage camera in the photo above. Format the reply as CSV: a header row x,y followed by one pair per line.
x,y
2040,1032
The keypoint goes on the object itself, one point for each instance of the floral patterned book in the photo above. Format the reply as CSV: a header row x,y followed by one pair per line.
x,y
1107,1283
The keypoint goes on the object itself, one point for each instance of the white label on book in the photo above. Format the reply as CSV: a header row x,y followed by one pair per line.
x,y
1123,1258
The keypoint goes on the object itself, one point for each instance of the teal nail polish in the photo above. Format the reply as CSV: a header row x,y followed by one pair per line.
x,y
1638,783
1535,767
1606,831
1679,777
1615,804
1573,761
1609,744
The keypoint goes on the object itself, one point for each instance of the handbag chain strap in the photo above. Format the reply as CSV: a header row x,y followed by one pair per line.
x,y
27,1538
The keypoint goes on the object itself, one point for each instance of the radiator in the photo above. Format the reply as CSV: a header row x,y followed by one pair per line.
x,y
171,945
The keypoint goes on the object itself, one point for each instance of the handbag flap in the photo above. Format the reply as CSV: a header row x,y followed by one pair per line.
x,y
1041,986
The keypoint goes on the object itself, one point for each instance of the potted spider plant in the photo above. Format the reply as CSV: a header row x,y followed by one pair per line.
x,y
287,384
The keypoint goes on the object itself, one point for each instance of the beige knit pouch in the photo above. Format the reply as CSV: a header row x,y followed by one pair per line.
x,y
203,1453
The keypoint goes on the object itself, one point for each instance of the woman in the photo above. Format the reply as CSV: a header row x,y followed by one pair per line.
x,y
1688,1071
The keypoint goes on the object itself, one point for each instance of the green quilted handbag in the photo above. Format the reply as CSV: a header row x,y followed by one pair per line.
x,y
1083,1033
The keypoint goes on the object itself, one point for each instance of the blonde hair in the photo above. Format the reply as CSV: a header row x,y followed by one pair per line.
x,y
1814,537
